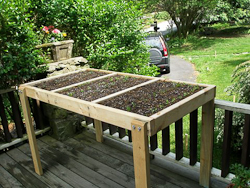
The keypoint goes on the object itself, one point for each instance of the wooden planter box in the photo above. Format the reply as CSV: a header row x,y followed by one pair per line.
x,y
58,51
141,126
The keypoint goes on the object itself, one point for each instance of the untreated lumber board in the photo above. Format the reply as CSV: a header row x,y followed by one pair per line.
x,y
71,150
98,130
7,180
48,178
95,111
207,131
30,132
171,114
59,170
140,154
20,173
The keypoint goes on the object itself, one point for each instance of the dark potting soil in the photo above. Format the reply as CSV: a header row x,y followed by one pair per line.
x,y
101,88
152,98
69,79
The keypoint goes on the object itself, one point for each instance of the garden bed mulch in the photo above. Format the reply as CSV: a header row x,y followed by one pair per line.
x,y
152,98
69,80
101,88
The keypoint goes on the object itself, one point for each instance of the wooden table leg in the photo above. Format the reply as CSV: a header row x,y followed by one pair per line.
x,y
207,131
98,130
30,132
141,154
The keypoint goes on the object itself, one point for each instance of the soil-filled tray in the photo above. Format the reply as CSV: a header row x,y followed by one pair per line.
x,y
69,79
101,88
152,98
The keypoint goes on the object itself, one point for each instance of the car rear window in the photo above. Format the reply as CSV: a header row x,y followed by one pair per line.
x,y
154,42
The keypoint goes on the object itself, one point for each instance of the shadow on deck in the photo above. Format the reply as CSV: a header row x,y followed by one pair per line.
x,y
83,162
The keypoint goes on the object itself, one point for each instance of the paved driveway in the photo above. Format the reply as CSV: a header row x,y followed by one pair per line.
x,y
181,70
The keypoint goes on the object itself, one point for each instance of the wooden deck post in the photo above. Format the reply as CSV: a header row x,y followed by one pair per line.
x,y
206,143
30,132
140,154
98,130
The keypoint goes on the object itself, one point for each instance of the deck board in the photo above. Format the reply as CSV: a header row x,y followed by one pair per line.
x,y
81,162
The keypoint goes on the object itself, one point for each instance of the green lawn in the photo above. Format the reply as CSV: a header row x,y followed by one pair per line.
x,y
215,58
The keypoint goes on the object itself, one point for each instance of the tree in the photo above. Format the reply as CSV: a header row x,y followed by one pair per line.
x,y
185,13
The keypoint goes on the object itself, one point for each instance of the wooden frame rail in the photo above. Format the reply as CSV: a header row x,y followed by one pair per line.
x,y
139,125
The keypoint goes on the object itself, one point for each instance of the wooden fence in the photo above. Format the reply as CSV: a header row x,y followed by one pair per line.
x,y
229,108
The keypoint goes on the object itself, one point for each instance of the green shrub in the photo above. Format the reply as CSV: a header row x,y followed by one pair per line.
x,y
18,59
242,176
107,33
241,83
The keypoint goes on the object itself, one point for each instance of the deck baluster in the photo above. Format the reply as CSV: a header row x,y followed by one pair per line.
x,y
16,115
4,121
153,142
226,143
165,141
122,132
245,156
193,136
179,139
112,129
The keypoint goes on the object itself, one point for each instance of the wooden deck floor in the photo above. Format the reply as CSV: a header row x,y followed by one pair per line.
x,y
82,162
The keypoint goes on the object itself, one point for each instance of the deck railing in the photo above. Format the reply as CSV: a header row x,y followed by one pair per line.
x,y
10,96
229,108
10,111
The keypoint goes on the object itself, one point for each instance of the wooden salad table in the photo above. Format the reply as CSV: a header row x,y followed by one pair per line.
x,y
61,92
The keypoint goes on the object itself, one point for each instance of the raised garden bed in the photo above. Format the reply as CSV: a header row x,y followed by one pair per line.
x,y
152,98
91,91
69,79
143,105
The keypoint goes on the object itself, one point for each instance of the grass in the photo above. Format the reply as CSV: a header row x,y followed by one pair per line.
x,y
215,58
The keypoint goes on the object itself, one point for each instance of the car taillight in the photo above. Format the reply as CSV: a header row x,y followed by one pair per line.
x,y
165,51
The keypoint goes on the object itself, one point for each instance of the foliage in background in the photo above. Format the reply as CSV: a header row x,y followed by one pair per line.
x,y
184,13
242,176
107,33
18,59
237,128
230,11
241,83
